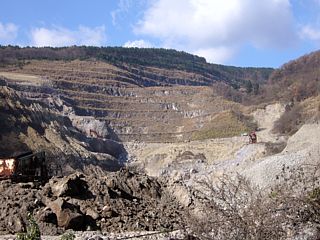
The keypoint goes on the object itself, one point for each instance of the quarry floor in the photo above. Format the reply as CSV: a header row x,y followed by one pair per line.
x,y
214,157
223,153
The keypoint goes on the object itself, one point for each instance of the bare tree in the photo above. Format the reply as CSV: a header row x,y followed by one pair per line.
x,y
233,208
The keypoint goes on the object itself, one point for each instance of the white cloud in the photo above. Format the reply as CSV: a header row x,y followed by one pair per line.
x,y
217,55
92,36
213,26
59,36
138,43
310,33
8,33
123,7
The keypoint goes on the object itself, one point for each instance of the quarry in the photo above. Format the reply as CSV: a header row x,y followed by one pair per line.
x,y
154,152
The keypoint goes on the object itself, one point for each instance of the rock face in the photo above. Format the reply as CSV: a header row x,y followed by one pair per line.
x,y
90,126
120,201
48,123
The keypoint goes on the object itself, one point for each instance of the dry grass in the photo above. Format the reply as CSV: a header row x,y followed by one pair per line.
x,y
225,124
290,121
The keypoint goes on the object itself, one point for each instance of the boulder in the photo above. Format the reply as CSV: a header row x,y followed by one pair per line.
x,y
71,186
68,215
92,213
107,212
47,215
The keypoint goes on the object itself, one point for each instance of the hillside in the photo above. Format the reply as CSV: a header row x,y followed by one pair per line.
x,y
153,95
297,85
298,79
80,103
138,61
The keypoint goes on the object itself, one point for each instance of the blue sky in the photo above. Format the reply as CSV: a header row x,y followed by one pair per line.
x,y
265,33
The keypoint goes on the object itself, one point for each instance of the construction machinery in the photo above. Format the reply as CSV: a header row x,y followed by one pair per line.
x,y
253,137
25,167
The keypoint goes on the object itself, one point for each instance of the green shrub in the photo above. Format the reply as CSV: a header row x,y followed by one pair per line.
x,y
33,230
68,236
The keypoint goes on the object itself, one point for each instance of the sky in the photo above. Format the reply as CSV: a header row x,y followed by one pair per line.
x,y
246,33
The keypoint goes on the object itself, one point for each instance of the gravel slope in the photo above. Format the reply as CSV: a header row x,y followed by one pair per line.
x,y
303,148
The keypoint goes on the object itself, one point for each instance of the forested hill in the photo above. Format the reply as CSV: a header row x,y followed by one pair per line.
x,y
297,79
138,58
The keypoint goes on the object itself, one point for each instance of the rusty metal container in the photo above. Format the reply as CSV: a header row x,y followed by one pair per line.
x,y
7,167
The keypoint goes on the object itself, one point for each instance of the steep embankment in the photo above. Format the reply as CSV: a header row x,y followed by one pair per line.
x,y
45,122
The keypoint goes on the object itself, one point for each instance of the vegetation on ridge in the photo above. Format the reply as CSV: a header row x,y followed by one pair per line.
x,y
142,57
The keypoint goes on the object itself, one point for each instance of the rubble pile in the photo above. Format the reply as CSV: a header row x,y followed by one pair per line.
x,y
115,202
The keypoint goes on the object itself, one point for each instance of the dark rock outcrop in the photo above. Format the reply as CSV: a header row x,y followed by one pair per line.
x,y
68,215
113,202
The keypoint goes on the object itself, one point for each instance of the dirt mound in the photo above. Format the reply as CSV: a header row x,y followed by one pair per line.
x,y
120,201
302,150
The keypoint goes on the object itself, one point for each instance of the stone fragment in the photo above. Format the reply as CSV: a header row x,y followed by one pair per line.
x,y
68,215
